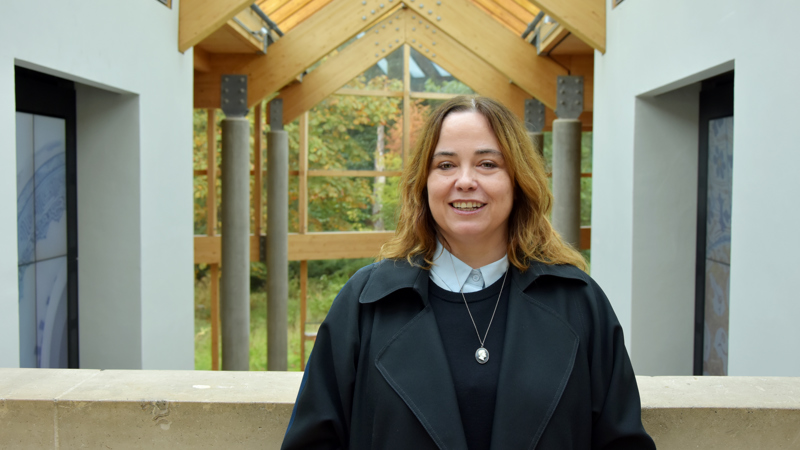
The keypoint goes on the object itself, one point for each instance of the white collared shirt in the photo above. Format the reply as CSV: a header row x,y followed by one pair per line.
x,y
452,274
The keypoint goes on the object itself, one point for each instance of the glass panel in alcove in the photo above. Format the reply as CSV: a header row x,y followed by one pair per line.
x,y
50,196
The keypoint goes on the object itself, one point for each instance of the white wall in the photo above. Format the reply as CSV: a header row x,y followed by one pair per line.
x,y
655,47
128,48
664,232
109,231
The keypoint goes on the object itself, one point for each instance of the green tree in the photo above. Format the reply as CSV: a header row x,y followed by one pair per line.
x,y
343,135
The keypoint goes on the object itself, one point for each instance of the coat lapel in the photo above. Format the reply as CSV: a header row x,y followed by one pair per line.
x,y
538,356
415,366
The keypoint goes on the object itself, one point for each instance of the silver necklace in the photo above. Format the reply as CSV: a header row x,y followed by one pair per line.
x,y
481,354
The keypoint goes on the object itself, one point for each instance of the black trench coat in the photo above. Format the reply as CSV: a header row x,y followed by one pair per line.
x,y
378,377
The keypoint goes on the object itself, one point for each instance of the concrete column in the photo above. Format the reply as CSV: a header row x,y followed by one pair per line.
x,y
235,279
277,249
567,179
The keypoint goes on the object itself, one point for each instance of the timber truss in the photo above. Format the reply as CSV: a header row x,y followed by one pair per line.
x,y
471,39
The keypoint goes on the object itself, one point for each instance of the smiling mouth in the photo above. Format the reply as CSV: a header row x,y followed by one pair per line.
x,y
467,206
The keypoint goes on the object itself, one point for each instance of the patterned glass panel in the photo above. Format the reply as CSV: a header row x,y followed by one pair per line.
x,y
42,241
25,239
51,312
718,246
27,315
50,192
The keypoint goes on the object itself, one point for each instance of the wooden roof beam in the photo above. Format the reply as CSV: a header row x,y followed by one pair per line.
x,y
522,13
297,50
467,67
496,45
199,18
287,9
270,6
482,77
528,6
512,21
584,18
310,9
338,70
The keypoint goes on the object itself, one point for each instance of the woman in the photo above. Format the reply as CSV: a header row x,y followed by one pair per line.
x,y
477,329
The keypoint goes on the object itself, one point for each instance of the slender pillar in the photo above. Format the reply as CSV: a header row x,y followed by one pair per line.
x,y
235,285
567,160
235,212
380,181
567,179
277,240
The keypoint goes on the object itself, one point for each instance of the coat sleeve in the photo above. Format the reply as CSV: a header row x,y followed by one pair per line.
x,y
616,407
321,415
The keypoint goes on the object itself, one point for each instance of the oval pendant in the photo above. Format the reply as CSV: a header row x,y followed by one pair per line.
x,y
482,355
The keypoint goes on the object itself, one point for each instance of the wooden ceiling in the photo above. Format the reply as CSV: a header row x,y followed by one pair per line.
x,y
479,40
513,14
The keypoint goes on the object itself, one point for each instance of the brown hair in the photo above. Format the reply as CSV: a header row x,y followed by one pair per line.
x,y
530,235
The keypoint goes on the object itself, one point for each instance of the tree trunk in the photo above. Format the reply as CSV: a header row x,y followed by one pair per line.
x,y
380,182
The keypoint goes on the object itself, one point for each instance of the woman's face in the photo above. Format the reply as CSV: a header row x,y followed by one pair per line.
x,y
470,193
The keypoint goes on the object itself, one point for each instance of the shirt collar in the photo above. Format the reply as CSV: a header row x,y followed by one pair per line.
x,y
452,274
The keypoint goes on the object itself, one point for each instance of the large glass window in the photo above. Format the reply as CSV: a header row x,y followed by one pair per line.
x,y
345,159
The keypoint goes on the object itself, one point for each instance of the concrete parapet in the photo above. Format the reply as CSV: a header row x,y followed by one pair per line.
x,y
41,408
721,412
127,409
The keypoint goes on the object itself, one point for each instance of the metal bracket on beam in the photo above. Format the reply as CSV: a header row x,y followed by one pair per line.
x,y
266,19
534,115
276,114
234,95
569,97
533,24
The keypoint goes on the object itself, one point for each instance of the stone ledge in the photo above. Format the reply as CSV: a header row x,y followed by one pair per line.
x,y
722,412
197,409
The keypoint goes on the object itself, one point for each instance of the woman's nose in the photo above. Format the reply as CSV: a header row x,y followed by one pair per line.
x,y
466,180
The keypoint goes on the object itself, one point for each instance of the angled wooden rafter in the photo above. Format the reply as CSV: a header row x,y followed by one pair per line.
x,y
304,45
584,18
308,10
481,76
235,35
431,42
270,6
496,45
452,56
377,42
510,20
519,11
528,6
287,9
199,18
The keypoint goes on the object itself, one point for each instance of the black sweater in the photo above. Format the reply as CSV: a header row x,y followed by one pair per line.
x,y
475,384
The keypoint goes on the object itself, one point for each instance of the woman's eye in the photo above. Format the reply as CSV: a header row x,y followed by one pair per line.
x,y
488,164
446,165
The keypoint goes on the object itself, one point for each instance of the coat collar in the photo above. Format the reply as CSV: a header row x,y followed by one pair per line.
x,y
392,275
538,356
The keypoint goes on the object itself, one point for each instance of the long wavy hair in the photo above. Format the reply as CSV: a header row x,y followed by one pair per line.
x,y
531,237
